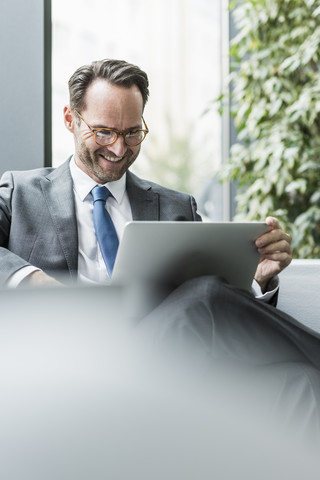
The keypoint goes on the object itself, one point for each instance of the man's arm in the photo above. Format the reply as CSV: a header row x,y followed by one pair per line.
x,y
39,278
31,276
9,261
275,252
37,229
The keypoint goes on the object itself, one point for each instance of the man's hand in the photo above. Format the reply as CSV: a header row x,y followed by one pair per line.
x,y
275,252
39,278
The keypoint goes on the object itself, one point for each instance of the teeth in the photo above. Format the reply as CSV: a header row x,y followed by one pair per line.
x,y
112,159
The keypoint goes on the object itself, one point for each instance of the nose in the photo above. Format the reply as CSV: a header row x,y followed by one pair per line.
x,y
119,147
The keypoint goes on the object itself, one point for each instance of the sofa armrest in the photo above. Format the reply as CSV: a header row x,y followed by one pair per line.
x,y
299,294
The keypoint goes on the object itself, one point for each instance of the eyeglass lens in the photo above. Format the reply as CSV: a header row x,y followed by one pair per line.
x,y
107,137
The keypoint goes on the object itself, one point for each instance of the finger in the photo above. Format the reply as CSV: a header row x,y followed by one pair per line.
x,y
282,258
272,222
282,245
274,236
276,249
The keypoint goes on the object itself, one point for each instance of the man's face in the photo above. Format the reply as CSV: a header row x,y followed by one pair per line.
x,y
113,107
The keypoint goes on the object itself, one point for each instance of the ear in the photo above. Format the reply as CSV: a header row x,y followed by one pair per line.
x,y
69,119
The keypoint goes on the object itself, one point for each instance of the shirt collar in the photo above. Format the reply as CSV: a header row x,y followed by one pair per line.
x,y
83,184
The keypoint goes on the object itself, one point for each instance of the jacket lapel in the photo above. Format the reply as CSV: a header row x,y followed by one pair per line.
x,y
144,202
57,189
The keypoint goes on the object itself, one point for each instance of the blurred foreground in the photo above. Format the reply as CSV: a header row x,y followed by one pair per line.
x,y
85,396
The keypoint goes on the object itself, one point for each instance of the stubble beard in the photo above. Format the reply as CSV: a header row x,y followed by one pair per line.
x,y
90,162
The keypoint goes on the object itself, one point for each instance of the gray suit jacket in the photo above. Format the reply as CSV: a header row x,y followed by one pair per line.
x,y
38,222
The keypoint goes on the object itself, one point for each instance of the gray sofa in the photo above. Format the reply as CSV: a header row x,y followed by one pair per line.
x,y
300,292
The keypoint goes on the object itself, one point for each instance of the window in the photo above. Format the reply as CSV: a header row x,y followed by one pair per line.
x,y
177,42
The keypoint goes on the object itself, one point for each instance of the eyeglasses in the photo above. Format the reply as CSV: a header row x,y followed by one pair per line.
x,y
108,136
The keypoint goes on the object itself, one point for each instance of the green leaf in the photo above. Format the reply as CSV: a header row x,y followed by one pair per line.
x,y
275,57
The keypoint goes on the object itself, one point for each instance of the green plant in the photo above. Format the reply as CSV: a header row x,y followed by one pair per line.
x,y
275,101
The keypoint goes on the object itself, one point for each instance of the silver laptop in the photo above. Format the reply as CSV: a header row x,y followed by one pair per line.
x,y
172,252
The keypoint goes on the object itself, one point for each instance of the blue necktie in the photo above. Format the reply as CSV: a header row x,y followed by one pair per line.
x,y
105,231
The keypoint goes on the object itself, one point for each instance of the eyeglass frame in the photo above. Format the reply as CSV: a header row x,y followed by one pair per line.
x,y
117,132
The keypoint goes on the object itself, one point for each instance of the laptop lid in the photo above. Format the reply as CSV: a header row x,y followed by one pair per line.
x,y
172,252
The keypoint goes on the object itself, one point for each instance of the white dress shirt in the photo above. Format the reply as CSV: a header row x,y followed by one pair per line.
x,y
91,267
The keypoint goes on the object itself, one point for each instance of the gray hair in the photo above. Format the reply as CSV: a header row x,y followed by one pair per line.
x,y
117,72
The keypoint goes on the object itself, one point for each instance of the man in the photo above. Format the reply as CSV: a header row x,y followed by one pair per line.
x,y
46,224
47,228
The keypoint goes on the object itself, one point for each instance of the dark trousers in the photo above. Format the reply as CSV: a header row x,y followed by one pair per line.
x,y
206,322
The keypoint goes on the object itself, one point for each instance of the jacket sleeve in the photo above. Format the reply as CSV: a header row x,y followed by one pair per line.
x,y
9,262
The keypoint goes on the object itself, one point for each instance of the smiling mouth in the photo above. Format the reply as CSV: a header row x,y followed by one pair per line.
x,y
111,159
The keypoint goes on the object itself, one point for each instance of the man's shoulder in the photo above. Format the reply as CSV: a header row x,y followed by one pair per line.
x,y
31,175
155,187
168,204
